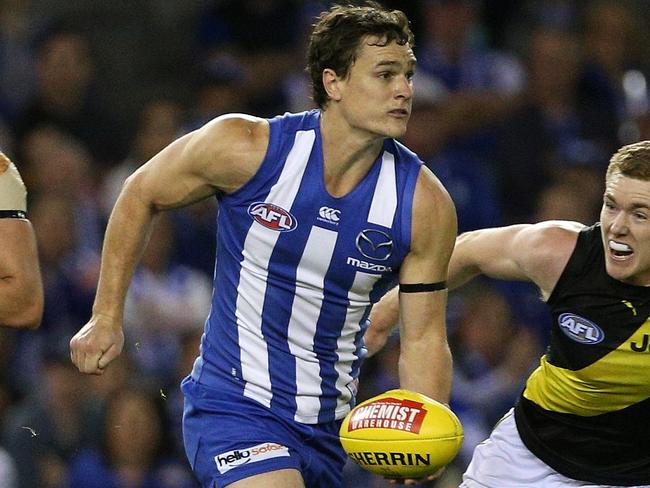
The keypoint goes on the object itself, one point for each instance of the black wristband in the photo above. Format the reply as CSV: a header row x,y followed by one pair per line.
x,y
422,287
13,214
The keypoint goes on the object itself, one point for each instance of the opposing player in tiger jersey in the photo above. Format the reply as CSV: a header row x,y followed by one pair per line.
x,y
582,419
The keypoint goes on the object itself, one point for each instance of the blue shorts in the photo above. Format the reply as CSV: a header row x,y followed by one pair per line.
x,y
230,437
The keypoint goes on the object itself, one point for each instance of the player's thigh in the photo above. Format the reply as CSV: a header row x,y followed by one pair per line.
x,y
283,478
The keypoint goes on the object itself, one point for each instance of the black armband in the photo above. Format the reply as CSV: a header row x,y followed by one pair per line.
x,y
422,287
13,214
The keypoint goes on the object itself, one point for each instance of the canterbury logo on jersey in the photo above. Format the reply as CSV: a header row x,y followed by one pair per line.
x,y
272,216
329,215
580,329
232,459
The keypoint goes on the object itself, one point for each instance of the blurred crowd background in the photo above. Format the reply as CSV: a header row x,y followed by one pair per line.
x,y
518,106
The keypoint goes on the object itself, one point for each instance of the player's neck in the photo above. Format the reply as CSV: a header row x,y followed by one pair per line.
x,y
348,155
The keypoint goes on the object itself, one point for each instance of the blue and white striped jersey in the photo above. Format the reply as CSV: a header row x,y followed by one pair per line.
x,y
297,271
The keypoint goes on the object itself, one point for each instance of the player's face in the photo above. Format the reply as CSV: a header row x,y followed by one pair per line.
x,y
376,96
625,220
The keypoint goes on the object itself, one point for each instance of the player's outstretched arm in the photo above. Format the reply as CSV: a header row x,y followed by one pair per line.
x,y
525,252
221,156
425,360
21,290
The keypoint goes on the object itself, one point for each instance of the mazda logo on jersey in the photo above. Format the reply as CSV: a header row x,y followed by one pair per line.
x,y
374,244
272,216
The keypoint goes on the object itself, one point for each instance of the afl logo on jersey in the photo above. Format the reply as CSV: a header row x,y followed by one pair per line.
x,y
272,217
580,329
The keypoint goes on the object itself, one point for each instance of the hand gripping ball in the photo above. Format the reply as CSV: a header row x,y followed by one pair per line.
x,y
401,434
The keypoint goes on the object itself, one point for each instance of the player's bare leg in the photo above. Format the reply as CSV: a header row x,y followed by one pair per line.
x,y
283,478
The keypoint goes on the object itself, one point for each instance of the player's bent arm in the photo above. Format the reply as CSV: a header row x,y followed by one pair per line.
x,y
425,360
21,290
221,156
525,252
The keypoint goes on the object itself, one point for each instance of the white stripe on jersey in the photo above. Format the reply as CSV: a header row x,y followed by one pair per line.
x,y
384,200
251,290
307,303
346,349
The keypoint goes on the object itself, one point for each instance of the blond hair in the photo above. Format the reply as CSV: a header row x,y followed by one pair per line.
x,y
632,161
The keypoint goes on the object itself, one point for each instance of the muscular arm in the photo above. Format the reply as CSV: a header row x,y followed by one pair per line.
x,y
21,291
222,155
425,360
525,252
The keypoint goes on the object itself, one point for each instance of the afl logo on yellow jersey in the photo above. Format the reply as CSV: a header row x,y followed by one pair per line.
x,y
580,329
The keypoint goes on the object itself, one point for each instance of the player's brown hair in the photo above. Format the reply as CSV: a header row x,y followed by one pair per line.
x,y
632,161
337,35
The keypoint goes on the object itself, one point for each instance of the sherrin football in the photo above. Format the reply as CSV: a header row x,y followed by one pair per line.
x,y
401,434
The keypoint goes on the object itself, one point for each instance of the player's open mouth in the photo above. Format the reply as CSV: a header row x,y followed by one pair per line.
x,y
620,251
400,113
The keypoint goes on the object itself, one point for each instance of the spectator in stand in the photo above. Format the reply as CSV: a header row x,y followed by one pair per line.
x,y
554,120
564,201
528,16
219,90
44,431
614,58
133,451
65,98
20,23
262,35
481,84
492,355
468,179
9,395
57,163
158,124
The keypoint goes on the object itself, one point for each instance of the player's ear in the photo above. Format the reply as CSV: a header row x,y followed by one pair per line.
x,y
332,84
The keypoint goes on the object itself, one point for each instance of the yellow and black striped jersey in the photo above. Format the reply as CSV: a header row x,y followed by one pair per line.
x,y
585,410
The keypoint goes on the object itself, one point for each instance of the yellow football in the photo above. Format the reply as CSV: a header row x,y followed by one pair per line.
x,y
401,434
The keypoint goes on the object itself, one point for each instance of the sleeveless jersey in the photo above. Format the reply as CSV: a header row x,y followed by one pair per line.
x,y
585,410
297,271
